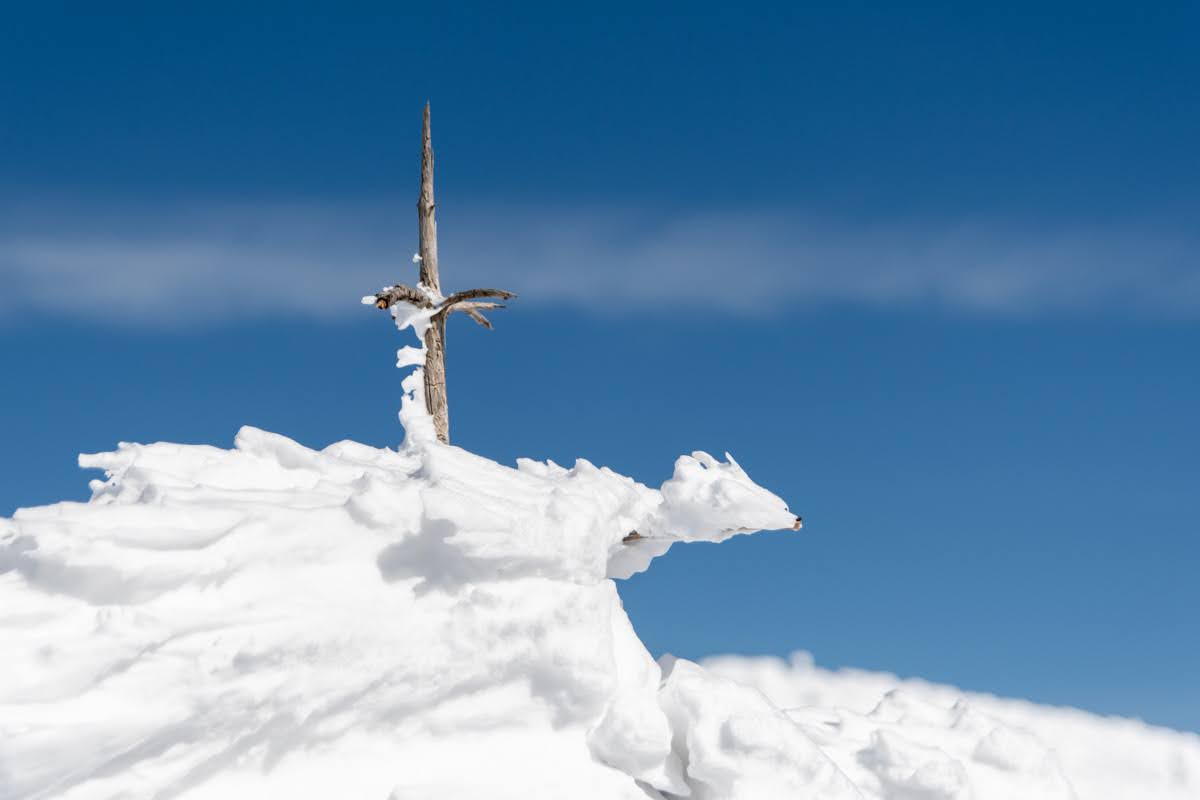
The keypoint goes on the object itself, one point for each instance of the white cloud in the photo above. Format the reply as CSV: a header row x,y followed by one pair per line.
x,y
185,265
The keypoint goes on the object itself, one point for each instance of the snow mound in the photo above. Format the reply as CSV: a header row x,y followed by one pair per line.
x,y
273,621
277,622
920,741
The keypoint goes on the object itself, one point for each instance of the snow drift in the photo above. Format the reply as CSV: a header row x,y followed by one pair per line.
x,y
277,622
913,739
273,621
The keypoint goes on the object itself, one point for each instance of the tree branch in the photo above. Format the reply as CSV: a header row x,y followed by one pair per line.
x,y
471,312
471,294
476,305
459,301
472,309
402,294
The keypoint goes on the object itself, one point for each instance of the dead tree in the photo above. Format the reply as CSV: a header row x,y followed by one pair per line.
x,y
428,295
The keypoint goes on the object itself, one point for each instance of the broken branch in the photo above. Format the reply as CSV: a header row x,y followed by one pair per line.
x,y
401,293
471,294
474,314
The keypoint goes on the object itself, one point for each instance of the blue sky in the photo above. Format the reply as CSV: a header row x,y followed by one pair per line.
x,y
929,273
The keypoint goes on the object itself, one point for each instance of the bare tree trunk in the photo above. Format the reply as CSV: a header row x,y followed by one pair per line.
x,y
435,337
427,295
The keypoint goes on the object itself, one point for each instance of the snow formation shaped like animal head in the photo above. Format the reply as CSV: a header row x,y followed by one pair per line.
x,y
710,500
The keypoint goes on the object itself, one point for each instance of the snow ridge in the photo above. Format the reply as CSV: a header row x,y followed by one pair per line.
x,y
277,622
273,621
347,622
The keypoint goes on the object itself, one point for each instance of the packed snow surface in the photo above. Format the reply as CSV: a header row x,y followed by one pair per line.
x,y
277,622
913,739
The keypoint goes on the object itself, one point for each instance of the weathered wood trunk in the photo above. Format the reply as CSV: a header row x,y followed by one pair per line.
x,y
435,338
428,295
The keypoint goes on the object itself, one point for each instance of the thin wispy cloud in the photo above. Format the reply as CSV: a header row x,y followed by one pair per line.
x,y
139,266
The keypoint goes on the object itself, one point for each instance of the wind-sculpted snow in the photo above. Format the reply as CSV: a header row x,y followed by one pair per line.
x,y
277,622
914,740
272,621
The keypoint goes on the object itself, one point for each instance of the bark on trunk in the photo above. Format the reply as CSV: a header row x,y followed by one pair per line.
x,y
435,337
428,295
